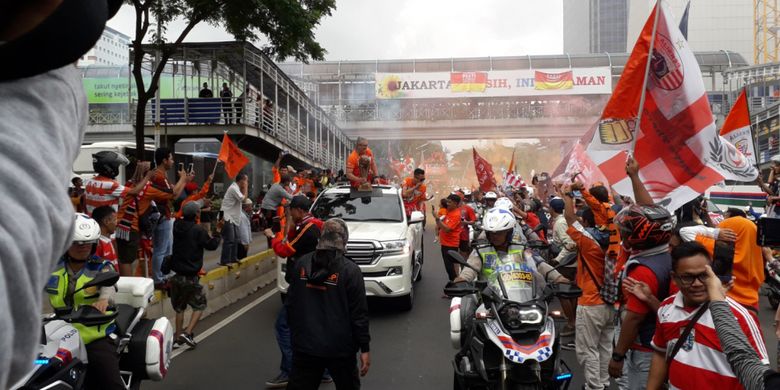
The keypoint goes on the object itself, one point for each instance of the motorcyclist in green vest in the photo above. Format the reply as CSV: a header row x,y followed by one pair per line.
x,y
78,266
499,225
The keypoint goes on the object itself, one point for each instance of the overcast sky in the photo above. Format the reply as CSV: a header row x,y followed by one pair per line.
x,y
399,29
387,29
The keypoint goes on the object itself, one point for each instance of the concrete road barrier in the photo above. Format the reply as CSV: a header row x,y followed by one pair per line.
x,y
224,286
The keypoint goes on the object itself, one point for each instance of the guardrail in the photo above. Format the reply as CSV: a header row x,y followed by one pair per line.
x,y
277,123
406,111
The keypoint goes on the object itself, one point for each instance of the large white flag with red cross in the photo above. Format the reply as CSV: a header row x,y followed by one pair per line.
x,y
676,144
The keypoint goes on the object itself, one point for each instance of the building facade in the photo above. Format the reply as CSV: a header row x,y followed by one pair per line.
x,y
712,24
595,26
111,49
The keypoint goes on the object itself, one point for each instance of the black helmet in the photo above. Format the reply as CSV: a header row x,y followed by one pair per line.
x,y
644,227
106,163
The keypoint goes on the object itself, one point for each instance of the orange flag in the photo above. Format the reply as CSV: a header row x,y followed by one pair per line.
x,y
512,163
232,157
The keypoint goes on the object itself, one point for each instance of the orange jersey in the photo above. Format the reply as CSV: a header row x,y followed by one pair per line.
x,y
748,268
277,175
353,163
417,196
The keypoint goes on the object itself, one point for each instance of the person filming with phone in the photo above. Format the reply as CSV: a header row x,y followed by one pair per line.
x,y
413,192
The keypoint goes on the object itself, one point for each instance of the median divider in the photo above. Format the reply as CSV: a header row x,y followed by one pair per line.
x,y
224,285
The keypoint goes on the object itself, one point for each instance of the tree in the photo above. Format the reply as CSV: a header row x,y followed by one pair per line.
x,y
287,25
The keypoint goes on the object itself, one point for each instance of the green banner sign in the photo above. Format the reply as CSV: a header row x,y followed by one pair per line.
x,y
115,89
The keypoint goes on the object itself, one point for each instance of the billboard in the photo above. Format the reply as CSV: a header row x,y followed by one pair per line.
x,y
497,83
115,89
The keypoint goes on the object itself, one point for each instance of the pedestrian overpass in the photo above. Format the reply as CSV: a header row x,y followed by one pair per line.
x,y
267,112
509,97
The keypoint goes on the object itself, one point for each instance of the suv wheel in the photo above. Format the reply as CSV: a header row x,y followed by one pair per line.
x,y
406,302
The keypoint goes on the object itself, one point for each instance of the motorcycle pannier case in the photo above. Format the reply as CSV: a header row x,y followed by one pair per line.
x,y
150,348
134,291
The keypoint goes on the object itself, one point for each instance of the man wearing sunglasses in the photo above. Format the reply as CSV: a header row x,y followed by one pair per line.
x,y
687,349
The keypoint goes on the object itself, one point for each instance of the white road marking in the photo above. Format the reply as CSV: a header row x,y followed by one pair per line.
x,y
199,338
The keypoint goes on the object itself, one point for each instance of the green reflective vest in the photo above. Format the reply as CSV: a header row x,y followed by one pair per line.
x,y
57,288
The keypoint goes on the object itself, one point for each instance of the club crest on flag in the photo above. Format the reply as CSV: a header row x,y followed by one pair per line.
x,y
616,131
665,64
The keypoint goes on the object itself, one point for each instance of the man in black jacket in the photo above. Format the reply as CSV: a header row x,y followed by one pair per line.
x,y
326,303
189,241
301,240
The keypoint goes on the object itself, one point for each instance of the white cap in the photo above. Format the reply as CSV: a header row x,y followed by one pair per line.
x,y
291,169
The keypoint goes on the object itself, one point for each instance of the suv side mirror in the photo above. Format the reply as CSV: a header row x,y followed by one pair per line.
x,y
416,217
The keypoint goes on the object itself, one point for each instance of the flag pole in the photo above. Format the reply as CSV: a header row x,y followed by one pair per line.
x,y
647,74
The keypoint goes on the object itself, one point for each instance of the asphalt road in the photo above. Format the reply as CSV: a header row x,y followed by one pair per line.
x,y
409,350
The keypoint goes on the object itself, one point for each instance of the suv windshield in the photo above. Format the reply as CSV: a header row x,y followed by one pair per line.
x,y
370,208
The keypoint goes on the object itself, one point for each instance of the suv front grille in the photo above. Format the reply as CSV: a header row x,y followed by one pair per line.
x,y
363,252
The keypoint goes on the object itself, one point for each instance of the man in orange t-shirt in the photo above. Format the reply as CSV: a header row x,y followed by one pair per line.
x,y
413,192
278,170
595,319
748,268
449,234
353,163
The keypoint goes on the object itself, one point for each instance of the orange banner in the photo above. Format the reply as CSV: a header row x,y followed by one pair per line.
x,y
544,80
232,157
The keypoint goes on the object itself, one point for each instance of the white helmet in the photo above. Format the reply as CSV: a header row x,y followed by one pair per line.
x,y
498,220
85,229
466,192
504,203
491,195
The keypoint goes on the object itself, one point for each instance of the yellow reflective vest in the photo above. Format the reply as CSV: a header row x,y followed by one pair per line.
x,y
57,288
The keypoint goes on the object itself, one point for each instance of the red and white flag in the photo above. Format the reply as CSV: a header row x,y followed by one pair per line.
x,y
676,144
487,181
736,128
513,180
580,165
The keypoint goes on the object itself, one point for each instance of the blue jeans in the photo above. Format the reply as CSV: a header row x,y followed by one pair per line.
x,y
162,245
284,340
229,243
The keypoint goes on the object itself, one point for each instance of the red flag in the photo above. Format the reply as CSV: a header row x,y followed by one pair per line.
x,y
232,156
487,182
676,143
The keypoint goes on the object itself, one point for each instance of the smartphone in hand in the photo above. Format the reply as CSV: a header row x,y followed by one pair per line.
x,y
191,168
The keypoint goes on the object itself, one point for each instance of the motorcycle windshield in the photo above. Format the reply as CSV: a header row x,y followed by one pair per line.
x,y
518,278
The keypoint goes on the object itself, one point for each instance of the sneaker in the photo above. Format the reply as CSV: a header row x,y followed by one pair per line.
x,y
569,346
567,331
188,339
177,343
280,382
326,379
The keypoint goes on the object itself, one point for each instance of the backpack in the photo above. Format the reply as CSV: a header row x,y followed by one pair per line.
x,y
147,222
610,289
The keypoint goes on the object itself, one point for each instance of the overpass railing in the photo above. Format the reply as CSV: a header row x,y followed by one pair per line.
x,y
277,123
428,111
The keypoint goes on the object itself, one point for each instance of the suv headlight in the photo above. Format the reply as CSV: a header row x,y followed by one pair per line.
x,y
396,246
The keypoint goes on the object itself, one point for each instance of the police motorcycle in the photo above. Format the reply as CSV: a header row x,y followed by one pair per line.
x,y
143,345
502,326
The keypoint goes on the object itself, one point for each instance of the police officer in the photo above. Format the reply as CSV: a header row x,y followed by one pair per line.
x,y
78,266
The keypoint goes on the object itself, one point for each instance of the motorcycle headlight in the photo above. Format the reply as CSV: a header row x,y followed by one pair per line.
x,y
395,246
514,316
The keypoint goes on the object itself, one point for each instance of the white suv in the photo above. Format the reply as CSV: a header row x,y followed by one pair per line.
x,y
387,247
